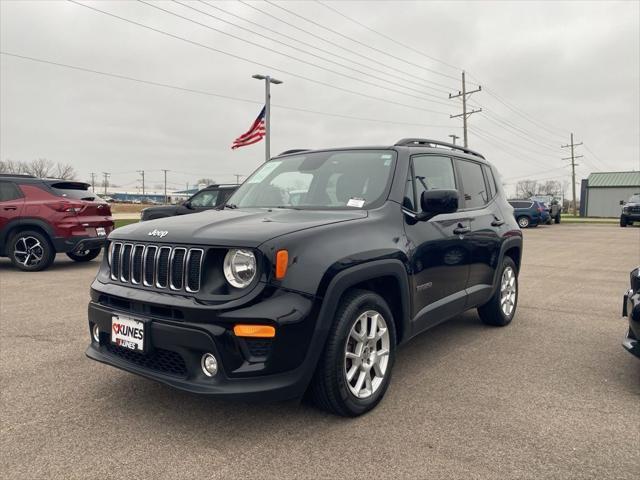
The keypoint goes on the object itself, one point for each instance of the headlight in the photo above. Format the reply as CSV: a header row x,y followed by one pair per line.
x,y
625,209
239,267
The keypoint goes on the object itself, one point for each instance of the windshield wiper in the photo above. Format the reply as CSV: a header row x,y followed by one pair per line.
x,y
289,207
230,206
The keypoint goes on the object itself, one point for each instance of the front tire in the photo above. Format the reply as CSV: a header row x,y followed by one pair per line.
x,y
354,372
30,251
500,310
558,218
623,222
84,255
523,222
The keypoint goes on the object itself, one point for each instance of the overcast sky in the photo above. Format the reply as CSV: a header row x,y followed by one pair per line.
x,y
560,67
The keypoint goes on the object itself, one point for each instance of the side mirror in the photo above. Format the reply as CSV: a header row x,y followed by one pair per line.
x,y
622,202
434,202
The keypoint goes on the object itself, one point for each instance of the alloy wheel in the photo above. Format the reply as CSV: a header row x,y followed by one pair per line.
x,y
366,357
508,291
28,251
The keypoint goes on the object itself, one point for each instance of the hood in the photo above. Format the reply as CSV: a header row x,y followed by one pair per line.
x,y
238,227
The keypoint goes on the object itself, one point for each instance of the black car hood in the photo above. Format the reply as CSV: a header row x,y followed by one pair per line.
x,y
237,227
164,209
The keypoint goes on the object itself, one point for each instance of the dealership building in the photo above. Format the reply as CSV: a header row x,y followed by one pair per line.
x,y
602,192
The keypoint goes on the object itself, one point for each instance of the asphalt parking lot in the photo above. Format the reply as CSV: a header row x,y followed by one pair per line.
x,y
554,395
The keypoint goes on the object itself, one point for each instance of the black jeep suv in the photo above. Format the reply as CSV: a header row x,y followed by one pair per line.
x,y
213,196
270,298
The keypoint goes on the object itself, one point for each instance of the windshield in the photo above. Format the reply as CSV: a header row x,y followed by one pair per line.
x,y
635,198
75,190
319,180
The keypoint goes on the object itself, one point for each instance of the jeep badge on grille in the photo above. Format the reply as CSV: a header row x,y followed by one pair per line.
x,y
158,233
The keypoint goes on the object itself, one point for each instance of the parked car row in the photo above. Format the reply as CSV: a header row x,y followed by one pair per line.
x,y
531,213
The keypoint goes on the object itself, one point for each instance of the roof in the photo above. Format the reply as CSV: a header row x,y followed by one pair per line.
x,y
614,179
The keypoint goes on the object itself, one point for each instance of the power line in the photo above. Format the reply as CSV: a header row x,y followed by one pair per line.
x,y
416,65
254,62
217,95
337,45
315,65
388,37
422,84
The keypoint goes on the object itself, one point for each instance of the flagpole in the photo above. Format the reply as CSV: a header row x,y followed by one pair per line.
x,y
268,80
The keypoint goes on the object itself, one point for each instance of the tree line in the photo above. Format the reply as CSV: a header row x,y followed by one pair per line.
x,y
41,168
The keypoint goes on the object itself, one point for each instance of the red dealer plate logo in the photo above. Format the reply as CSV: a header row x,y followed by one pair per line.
x,y
127,332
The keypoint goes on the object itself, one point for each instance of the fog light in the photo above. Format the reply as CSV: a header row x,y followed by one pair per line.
x,y
95,332
209,364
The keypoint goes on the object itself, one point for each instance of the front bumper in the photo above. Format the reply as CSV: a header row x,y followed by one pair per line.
x,y
631,309
277,369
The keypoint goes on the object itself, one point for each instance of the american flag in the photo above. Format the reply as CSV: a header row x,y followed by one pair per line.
x,y
253,135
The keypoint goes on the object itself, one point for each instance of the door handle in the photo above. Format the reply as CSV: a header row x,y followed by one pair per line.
x,y
10,208
497,222
461,230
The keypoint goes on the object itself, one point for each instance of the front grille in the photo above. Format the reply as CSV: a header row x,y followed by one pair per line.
x,y
177,268
159,360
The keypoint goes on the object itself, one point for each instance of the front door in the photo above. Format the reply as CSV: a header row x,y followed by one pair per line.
x,y
439,256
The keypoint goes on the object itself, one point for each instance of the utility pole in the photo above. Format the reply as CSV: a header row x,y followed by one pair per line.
x,y
165,186
237,175
465,114
454,138
141,172
267,111
106,181
93,182
573,168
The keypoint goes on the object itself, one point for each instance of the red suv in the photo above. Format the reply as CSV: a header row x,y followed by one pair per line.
x,y
41,217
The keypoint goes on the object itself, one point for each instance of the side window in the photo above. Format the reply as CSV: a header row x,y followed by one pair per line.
x,y
491,182
430,172
475,190
205,198
9,191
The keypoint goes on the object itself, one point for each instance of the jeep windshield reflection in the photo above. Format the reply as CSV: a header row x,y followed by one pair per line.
x,y
342,179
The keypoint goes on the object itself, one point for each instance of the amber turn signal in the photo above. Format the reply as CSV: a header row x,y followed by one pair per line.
x,y
254,331
282,261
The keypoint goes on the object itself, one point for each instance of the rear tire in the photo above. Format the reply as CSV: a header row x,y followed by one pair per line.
x,y
84,255
523,222
30,251
557,219
501,308
353,374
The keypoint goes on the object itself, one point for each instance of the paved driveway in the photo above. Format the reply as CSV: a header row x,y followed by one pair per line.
x,y
554,395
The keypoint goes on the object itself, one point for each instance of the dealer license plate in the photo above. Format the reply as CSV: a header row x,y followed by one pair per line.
x,y
101,232
127,332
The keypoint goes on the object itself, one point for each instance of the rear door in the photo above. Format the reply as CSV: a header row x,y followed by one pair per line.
x,y
11,205
485,222
438,254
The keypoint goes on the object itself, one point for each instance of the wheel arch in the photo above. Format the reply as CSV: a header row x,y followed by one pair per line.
x,y
23,224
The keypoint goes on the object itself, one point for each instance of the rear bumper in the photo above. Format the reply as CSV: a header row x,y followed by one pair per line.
x,y
72,244
272,370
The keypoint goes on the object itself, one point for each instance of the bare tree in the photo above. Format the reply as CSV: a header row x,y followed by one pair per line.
x,y
206,181
526,188
550,187
12,166
41,168
65,171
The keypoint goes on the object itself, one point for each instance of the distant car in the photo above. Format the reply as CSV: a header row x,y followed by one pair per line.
x,y
630,211
527,213
42,217
213,196
552,204
631,309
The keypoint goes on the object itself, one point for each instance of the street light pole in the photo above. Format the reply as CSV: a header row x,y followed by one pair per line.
x,y
267,111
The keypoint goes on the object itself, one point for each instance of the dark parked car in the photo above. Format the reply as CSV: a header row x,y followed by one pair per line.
x,y
527,213
277,294
40,217
213,196
631,309
630,211
552,204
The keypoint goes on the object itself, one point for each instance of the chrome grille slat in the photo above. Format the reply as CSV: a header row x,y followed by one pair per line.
x,y
154,266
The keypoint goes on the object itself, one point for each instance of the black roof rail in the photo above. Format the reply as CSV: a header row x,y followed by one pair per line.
x,y
425,142
295,150
19,175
